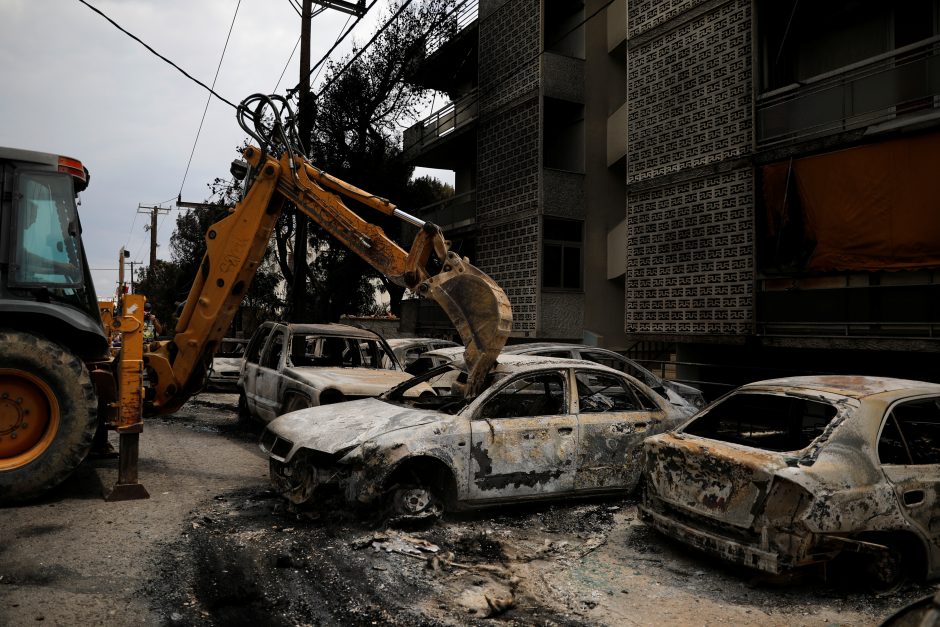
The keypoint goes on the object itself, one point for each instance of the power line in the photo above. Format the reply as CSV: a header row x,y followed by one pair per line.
x,y
160,56
284,71
339,38
209,99
349,63
326,56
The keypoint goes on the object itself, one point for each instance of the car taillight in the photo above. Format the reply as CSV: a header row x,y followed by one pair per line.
x,y
786,502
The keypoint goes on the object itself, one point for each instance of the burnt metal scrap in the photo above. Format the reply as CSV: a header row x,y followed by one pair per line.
x,y
542,428
791,472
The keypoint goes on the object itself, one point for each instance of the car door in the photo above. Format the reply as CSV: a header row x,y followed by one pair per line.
x,y
252,362
909,452
524,439
267,376
614,416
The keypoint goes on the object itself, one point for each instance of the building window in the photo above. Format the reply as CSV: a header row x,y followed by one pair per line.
x,y
562,245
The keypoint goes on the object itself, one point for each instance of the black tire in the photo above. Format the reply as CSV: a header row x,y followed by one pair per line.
x,y
244,416
64,425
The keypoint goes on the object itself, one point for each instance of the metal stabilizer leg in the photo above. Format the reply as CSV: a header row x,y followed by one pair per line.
x,y
127,488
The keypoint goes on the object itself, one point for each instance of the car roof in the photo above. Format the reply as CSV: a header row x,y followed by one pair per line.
x,y
332,329
847,385
515,349
511,364
398,342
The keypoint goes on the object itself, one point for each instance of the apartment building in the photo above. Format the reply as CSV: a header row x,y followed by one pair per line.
x,y
538,194
783,212
753,182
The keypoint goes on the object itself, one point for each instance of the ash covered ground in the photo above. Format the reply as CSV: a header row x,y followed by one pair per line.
x,y
214,546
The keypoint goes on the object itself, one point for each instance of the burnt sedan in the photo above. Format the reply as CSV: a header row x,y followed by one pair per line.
x,y
543,428
790,472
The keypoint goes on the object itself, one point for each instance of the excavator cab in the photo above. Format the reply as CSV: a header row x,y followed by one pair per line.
x,y
50,327
43,272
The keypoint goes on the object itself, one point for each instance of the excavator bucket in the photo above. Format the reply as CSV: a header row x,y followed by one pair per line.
x,y
480,311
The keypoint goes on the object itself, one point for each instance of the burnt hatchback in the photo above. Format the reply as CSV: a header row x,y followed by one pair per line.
x,y
790,472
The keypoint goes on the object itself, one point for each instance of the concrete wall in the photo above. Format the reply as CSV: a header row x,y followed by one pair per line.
x,y
509,154
689,189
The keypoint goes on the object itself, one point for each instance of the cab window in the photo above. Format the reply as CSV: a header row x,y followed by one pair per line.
x,y
47,233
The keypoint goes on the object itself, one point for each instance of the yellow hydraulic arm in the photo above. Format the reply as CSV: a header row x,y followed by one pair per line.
x,y
236,244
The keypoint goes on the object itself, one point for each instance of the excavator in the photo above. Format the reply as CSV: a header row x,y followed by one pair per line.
x,y
59,383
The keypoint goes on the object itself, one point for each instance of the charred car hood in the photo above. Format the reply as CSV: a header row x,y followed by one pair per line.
x,y
340,427
349,381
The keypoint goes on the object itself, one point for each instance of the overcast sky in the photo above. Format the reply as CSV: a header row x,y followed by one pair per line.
x,y
75,85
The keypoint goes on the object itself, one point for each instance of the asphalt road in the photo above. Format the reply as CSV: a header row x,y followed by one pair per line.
x,y
213,545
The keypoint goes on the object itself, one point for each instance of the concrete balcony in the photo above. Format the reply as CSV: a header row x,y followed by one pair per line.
x,y
427,143
617,135
454,213
562,77
616,24
884,92
462,16
449,61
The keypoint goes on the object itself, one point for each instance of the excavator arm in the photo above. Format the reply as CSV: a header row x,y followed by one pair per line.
x,y
236,245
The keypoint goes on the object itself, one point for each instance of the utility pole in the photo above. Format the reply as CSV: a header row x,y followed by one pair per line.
x,y
306,114
154,211
304,128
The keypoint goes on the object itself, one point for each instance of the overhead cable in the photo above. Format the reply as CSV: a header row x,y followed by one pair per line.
x,y
358,54
178,68
326,56
209,99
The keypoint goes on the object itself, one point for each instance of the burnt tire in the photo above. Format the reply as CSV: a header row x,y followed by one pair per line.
x,y
294,403
48,414
244,416
886,571
416,502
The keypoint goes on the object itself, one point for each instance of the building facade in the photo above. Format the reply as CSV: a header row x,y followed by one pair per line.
x,y
531,87
753,182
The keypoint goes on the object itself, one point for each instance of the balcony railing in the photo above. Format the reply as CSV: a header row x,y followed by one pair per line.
x,y
872,91
463,14
442,122
451,213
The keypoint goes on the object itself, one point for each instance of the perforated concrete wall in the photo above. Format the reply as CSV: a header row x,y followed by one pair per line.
x,y
689,229
508,155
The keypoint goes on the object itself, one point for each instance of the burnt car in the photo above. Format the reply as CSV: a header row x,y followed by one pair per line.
x,y
673,391
227,365
542,428
790,472
292,366
409,349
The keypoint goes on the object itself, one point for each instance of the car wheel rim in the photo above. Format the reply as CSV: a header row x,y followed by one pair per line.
x,y
414,500
29,417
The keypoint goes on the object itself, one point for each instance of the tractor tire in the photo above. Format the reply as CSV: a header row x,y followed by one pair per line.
x,y
48,414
